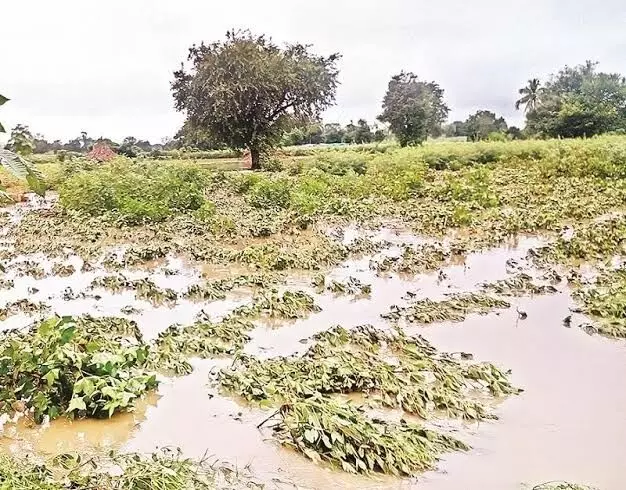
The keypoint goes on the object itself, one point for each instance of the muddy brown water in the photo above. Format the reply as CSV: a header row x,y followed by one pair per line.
x,y
568,424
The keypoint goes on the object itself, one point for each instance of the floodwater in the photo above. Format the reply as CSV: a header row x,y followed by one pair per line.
x,y
568,424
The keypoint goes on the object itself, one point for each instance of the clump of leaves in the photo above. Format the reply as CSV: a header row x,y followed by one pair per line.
x,y
520,284
6,283
605,301
213,290
165,469
561,485
454,308
290,305
390,368
144,288
351,286
80,367
413,260
29,268
597,240
63,270
203,339
22,306
340,434
138,254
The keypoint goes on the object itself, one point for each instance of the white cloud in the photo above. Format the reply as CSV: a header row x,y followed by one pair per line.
x,y
105,67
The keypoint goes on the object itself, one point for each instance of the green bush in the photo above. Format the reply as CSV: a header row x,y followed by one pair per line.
x,y
269,193
136,192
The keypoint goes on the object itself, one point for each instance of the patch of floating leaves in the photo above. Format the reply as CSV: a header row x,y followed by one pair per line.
x,y
392,369
605,301
203,339
213,290
22,306
165,469
29,268
342,435
454,308
144,288
413,260
351,286
520,284
290,305
63,270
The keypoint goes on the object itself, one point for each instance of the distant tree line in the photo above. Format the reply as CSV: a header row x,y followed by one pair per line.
x,y
247,93
334,133
22,141
575,102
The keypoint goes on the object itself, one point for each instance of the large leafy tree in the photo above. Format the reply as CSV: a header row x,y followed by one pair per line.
x,y
483,123
580,101
19,167
413,109
529,95
246,90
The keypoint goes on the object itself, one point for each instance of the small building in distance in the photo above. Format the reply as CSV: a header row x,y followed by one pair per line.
x,y
101,152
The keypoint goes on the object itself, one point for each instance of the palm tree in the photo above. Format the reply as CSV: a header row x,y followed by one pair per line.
x,y
530,95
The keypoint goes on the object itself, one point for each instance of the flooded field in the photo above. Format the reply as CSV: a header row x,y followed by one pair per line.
x,y
568,423
435,318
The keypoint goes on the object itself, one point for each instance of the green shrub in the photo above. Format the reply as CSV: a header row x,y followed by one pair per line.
x,y
136,192
271,193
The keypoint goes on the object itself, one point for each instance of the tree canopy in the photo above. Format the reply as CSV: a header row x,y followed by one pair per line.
x,y
245,90
579,101
482,124
21,141
413,109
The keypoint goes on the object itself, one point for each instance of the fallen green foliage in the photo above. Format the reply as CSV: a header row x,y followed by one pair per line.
x,y
63,270
144,288
454,308
351,286
561,485
165,469
290,305
390,368
598,240
203,339
28,268
22,306
342,435
605,301
413,260
80,367
213,290
518,285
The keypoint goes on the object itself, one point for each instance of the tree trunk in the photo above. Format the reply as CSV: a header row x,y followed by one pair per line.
x,y
255,157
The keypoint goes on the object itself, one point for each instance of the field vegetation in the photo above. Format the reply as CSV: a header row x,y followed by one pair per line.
x,y
459,197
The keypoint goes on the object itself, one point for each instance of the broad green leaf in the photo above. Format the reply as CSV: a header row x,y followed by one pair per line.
x,y
76,404
68,334
311,436
22,169
51,376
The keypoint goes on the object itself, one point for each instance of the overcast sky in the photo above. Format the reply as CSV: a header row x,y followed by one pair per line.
x,y
105,66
